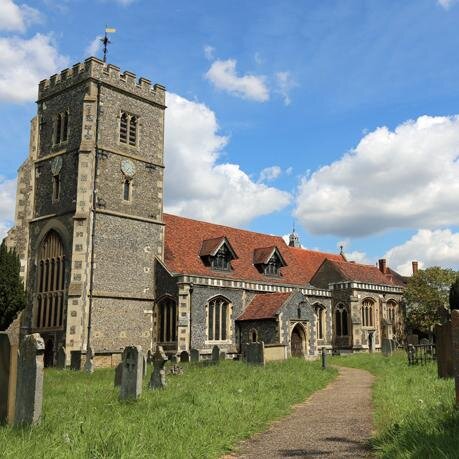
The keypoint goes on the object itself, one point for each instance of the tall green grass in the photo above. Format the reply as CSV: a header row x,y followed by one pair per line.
x,y
414,410
201,414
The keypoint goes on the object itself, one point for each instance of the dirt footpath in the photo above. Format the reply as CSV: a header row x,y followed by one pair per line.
x,y
334,422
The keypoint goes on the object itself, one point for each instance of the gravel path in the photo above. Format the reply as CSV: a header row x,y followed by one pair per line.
x,y
334,422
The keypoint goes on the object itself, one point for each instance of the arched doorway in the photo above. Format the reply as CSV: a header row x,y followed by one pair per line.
x,y
298,341
48,358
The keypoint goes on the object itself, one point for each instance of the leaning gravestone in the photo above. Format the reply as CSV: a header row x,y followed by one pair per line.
x,y
184,357
5,354
255,353
194,356
29,393
386,347
455,336
89,363
75,360
61,358
215,354
158,377
132,372
118,374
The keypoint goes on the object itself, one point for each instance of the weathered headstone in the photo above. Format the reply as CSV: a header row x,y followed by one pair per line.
x,y
215,354
132,372
5,353
89,362
255,353
222,355
194,356
61,358
118,374
75,360
412,339
158,377
184,357
386,347
455,338
444,350
424,341
172,358
29,393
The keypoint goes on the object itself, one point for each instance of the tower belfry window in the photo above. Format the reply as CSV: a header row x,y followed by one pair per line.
x,y
56,187
128,129
61,127
127,190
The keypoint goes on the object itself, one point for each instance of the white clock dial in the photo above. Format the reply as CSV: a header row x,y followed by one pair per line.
x,y
127,168
56,165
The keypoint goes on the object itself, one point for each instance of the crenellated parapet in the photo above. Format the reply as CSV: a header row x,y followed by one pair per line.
x,y
95,69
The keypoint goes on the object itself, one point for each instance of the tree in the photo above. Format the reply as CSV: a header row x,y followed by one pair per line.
x,y
12,295
454,295
427,293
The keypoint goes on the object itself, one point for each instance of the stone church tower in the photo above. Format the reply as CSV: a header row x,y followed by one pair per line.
x,y
91,214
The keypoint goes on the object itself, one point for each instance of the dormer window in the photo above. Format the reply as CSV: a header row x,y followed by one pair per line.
x,y
269,261
272,268
217,253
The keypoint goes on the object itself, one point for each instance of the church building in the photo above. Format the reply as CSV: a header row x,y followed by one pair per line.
x,y
105,267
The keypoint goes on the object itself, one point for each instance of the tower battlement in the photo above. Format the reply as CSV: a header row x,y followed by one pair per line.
x,y
93,68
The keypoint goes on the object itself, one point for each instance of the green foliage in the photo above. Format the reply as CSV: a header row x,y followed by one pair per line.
x,y
427,291
12,295
414,409
201,414
454,295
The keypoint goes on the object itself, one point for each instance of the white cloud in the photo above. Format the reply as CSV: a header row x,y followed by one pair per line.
x,y
438,247
358,257
93,48
209,52
406,178
196,184
14,18
285,83
446,4
223,75
270,173
25,62
7,204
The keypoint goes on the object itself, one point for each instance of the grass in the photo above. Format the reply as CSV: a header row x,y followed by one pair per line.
x,y
414,410
203,413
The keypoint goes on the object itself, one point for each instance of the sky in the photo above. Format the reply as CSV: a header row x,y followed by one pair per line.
x,y
338,117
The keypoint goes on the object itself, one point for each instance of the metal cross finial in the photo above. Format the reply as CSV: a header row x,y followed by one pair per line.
x,y
105,41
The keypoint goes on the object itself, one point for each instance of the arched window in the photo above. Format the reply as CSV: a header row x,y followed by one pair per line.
x,y
341,321
218,319
56,187
65,126
127,190
391,310
320,316
57,136
50,283
167,309
367,313
253,335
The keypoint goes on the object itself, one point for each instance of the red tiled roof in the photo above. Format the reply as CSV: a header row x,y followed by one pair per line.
x,y
264,306
210,246
184,238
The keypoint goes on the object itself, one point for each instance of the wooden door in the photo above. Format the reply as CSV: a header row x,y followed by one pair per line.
x,y
297,342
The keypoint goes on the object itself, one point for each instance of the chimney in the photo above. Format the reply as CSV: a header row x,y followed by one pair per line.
x,y
382,265
415,267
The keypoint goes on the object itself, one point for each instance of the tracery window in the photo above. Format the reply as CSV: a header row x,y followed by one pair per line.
x,y
221,260
391,310
61,127
320,314
128,129
218,319
341,321
367,313
167,320
50,283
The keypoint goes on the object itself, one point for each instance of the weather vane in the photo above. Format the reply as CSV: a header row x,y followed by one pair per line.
x,y
105,41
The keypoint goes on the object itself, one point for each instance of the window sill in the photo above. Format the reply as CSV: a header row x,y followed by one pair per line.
x,y
214,342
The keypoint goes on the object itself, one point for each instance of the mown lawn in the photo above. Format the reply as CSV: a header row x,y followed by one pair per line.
x,y
414,410
201,414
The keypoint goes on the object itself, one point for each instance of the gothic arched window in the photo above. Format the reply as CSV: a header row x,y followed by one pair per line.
x,y
218,319
50,283
367,313
341,321
127,190
167,309
253,335
320,315
391,310
57,136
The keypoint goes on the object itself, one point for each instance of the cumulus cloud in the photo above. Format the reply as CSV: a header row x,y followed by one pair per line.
x,y
209,52
93,48
406,178
24,62
7,204
196,184
270,173
446,4
285,83
438,247
16,18
223,75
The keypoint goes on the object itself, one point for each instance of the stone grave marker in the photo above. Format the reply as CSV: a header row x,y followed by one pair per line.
x,y
424,341
386,347
158,377
118,374
412,339
215,354
149,356
255,353
89,362
222,355
5,354
455,339
172,358
145,365
61,358
75,360
132,372
184,357
29,392
444,350
194,356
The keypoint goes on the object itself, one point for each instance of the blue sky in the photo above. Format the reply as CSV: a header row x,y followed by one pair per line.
x,y
339,115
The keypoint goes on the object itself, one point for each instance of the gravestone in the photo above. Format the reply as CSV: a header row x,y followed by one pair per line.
x,y
29,392
424,341
444,350
75,360
194,356
215,354
132,372
184,357
222,355
172,358
158,377
412,339
149,356
145,365
255,353
118,374
386,347
89,362
61,358
5,354
455,339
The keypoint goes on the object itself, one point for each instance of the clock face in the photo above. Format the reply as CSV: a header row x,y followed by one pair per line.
x,y
56,165
127,168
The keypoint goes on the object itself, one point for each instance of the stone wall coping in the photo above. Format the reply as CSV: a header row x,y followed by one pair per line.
x,y
364,286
